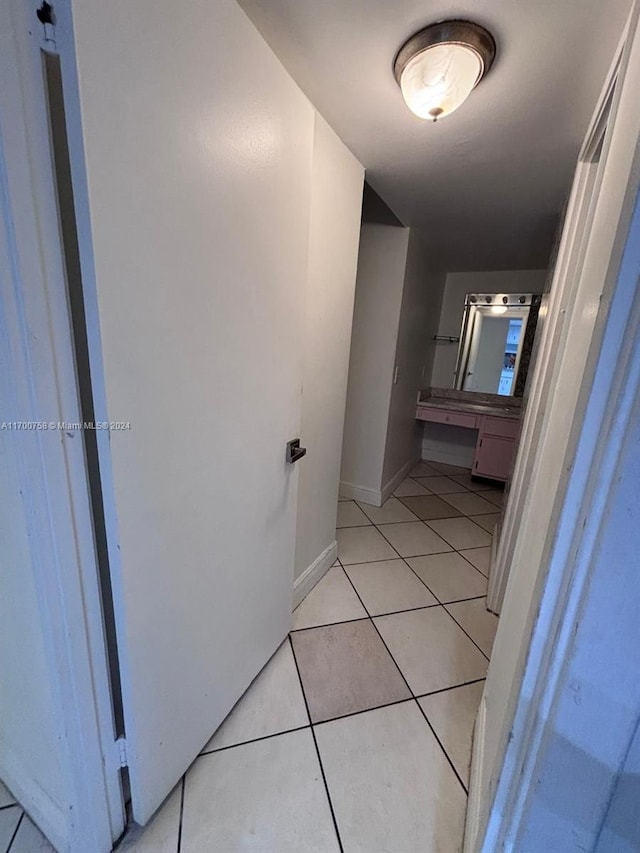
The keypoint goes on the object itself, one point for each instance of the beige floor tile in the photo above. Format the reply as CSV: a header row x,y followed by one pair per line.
x,y
449,576
452,715
440,485
346,668
430,506
424,469
487,521
389,586
8,821
350,515
478,557
471,483
496,497
29,839
6,797
160,835
469,503
476,620
431,650
362,544
445,468
273,703
391,786
331,600
413,538
263,796
391,511
410,487
460,532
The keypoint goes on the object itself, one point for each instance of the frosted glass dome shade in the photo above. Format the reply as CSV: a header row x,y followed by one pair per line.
x,y
439,79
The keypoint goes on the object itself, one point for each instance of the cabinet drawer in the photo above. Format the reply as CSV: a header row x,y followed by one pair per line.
x,y
445,416
506,427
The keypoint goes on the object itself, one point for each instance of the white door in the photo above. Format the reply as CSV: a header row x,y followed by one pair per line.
x,y
526,657
191,150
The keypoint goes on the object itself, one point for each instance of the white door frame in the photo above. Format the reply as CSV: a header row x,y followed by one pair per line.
x,y
554,337
40,358
579,415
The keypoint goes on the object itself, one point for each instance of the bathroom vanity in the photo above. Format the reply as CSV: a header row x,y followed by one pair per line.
x,y
495,419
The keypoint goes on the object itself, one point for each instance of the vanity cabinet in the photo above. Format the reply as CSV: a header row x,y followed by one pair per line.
x,y
497,436
495,449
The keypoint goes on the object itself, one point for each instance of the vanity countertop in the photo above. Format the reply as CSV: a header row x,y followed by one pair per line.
x,y
466,401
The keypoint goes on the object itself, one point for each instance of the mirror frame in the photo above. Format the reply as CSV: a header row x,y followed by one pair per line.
x,y
472,303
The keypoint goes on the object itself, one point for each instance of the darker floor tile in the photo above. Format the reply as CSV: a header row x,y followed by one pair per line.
x,y
346,668
430,506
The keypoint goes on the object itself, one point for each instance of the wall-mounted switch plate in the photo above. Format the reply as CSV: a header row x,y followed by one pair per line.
x,y
396,373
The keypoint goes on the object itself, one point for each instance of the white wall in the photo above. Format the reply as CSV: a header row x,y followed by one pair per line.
x,y
336,193
415,350
380,279
457,285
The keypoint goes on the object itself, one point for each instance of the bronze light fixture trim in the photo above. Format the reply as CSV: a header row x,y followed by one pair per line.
x,y
439,66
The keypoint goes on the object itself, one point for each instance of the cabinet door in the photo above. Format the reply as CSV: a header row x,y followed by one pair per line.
x,y
494,456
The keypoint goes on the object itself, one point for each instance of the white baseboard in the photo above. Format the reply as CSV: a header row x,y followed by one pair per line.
x,y
395,481
314,573
359,493
450,457
373,497
472,825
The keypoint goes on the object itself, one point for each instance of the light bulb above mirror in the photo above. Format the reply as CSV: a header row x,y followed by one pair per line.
x,y
438,67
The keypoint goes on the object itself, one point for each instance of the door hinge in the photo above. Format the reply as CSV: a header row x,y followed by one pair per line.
x,y
121,754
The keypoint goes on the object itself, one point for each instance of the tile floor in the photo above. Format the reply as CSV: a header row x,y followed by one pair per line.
x,y
18,833
356,736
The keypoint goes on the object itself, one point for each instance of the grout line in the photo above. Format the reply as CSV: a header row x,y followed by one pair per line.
x,y
363,711
386,613
440,744
252,740
15,831
182,787
399,557
422,581
315,741
468,519
419,521
486,577
440,603
447,689
380,635
326,787
484,654
413,695
417,518
10,806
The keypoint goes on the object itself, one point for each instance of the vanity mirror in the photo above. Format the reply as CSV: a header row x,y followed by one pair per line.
x,y
495,342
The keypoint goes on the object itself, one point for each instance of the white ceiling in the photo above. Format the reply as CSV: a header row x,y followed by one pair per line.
x,y
488,183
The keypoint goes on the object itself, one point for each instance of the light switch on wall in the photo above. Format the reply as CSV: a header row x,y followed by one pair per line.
x,y
396,373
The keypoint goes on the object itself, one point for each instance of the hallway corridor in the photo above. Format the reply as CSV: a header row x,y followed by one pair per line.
x,y
357,733
356,736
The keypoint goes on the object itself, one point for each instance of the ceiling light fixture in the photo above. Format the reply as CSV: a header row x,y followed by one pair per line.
x,y
438,67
